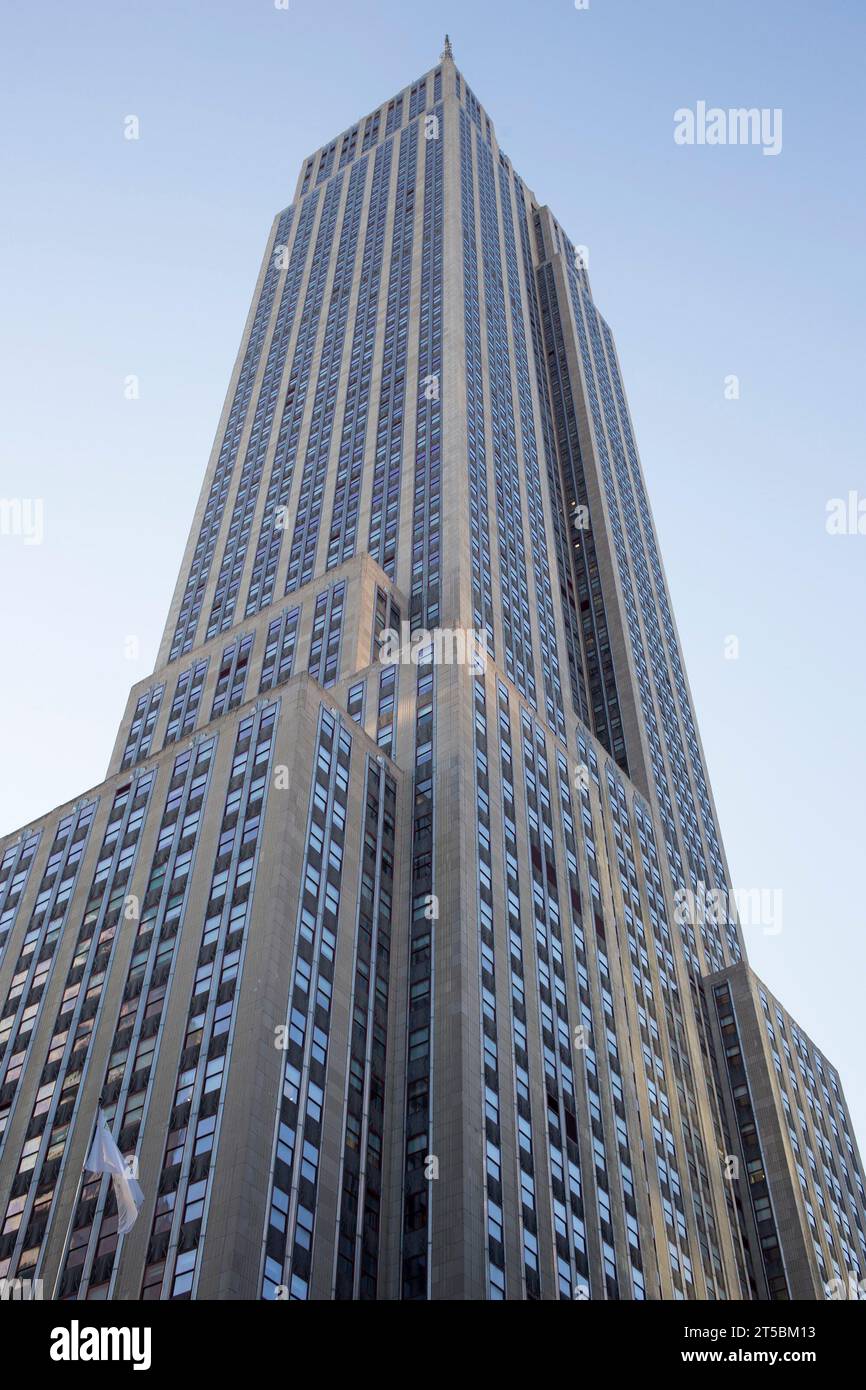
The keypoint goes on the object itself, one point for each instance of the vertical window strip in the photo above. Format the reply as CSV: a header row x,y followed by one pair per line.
x,y
238,538
385,501
232,675
141,729
308,511
602,706
348,146
520,1099
371,131
350,462
545,387
275,514
552,1004
417,1186
184,707
324,661
479,509
14,874
280,649
426,514
386,724
418,98
532,475
326,162
184,635
513,587
387,618
357,1253
295,1164
493,1193
394,115
355,702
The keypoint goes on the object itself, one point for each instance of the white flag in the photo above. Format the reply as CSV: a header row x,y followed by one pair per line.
x,y
105,1157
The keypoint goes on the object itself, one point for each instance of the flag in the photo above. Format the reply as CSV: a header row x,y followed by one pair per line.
x,y
105,1157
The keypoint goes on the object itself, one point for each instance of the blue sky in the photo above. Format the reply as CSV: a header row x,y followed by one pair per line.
x,y
138,257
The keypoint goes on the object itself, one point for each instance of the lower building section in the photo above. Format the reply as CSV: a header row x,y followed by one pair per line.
x,y
385,998
175,958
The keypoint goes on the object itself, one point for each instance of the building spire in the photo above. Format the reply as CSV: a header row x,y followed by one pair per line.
x,y
447,51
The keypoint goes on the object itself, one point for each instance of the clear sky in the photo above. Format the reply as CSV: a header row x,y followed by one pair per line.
x,y
125,258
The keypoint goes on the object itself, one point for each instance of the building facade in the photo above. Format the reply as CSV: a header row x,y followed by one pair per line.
x,y
378,954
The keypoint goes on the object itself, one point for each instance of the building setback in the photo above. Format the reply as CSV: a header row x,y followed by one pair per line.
x,y
385,972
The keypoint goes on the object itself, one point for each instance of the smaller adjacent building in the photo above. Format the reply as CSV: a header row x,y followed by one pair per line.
x,y
798,1171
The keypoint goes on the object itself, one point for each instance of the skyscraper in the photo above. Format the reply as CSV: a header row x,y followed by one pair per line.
x,y
398,944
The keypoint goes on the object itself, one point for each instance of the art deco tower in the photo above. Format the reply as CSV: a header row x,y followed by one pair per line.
x,y
380,970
